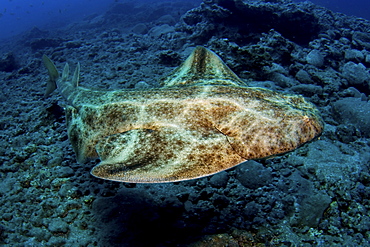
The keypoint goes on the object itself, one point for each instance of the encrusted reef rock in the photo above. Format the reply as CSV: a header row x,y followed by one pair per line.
x,y
42,43
355,112
8,63
250,18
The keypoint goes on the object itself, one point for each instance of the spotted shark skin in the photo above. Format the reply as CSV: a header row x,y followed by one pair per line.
x,y
202,120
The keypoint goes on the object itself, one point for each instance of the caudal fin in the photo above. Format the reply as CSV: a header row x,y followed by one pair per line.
x,y
53,75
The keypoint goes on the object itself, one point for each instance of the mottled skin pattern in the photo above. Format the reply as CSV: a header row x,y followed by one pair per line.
x,y
202,121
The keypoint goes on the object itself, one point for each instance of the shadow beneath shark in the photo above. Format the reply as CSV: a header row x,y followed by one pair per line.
x,y
132,218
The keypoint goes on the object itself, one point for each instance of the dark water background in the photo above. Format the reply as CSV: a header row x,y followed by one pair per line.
x,y
360,8
21,15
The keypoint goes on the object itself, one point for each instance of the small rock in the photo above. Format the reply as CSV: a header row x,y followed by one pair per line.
x,y
353,55
6,185
367,58
166,19
286,172
55,161
169,58
353,92
356,74
251,209
347,133
161,30
56,241
344,41
311,209
315,58
140,28
65,190
220,201
307,89
277,68
303,76
8,63
353,111
253,175
362,39
219,180
40,234
73,44
7,216
65,172
364,224
58,226
281,80
142,85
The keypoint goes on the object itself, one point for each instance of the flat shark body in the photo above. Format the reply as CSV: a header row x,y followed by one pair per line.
x,y
202,120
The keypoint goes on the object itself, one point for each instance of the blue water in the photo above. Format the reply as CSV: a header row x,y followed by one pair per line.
x,y
17,16
21,15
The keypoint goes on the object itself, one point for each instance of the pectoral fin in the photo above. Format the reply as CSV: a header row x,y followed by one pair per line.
x,y
129,148
163,155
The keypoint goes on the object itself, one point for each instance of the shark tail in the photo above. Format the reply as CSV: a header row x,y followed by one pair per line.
x,y
53,75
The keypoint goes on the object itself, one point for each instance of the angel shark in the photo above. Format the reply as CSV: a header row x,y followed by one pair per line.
x,y
202,120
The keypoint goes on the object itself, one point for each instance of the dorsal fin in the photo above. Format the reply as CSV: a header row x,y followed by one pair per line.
x,y
202,67
76,76
53,75
65,73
